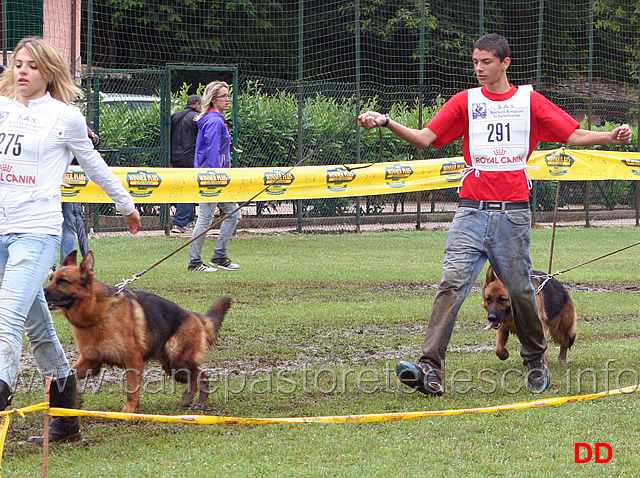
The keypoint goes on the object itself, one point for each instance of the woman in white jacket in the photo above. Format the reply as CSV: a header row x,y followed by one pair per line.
x,y
40,133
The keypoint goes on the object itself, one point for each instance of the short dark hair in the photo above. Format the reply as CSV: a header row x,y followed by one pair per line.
x,y
193,100
494,43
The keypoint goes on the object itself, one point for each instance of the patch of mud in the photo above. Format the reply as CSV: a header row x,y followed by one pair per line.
x,y
578,286
323,353
572,286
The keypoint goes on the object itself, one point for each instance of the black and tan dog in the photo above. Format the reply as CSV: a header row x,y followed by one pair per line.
x,y
129,328
555,310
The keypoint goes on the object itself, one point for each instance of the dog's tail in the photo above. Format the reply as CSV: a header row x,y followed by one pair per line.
x,y
216,315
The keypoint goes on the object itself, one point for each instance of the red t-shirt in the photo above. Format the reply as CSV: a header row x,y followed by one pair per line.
x,y
548,123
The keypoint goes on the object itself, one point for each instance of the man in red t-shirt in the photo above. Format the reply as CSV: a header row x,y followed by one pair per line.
x,y
500,126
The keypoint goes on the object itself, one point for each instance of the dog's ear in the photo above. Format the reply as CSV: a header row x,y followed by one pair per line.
x,y
490,274
87,263
71,259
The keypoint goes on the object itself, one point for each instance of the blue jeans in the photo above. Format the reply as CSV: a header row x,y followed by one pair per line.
x,y
185,212
475,236
72,227
205,219
24,264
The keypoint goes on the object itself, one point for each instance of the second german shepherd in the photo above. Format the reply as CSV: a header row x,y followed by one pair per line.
x,y
131,327
555,310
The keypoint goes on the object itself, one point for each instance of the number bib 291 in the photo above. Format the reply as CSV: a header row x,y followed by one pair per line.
x,y
499,130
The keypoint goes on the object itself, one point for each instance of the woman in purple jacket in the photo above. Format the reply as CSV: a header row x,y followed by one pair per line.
x,y
213,146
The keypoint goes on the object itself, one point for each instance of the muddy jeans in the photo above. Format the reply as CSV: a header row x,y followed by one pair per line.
x,y
502,237
24,263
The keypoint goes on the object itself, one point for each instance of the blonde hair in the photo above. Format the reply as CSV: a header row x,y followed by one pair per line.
x,y
51,65
210,92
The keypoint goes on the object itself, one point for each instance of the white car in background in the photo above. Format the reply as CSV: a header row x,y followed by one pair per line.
x,y
133,101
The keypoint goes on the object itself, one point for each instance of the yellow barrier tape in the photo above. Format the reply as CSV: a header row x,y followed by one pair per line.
x,y
4,428
372,418
222,420
192,185
6,415
21,411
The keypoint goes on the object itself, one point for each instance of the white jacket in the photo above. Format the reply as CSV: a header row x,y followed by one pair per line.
x,y
37,144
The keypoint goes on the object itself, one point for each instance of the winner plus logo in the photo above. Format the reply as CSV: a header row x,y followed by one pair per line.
x,y
559,163
452,171
74,181
211,183
633,165
277,181
396,175
143,183
339,178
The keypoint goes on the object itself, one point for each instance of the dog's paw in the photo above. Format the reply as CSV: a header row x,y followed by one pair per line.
x,y
129,408
502,354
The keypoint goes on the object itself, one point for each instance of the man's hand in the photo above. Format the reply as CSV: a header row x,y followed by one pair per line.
x,y
586,137
371,119
621,134
133,221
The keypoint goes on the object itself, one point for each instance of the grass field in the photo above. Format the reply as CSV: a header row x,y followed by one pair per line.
x,y
317,326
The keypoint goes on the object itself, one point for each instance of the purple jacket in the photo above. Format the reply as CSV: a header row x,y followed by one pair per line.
x,y
213,142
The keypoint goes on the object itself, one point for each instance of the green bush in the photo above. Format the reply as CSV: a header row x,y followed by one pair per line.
x,y
122,127
269,130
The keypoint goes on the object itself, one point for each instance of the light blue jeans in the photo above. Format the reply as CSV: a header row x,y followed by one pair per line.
x,y
24,264
475,236
205,219
72,227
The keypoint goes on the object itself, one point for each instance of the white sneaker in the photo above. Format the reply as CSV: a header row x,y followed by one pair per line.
x,y
224,263
202,268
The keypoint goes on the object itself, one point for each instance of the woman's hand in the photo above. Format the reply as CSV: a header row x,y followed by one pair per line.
x,y
133,221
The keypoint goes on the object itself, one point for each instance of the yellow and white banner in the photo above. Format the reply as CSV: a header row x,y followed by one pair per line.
x,y
170,185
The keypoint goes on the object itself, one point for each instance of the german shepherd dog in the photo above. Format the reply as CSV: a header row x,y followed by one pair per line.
x,y
555,310
132,327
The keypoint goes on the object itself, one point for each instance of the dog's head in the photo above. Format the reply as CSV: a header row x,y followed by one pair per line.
x,y
495,301
71,283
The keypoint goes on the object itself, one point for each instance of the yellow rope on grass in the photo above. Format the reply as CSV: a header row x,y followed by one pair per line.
x,y
370,418
6,415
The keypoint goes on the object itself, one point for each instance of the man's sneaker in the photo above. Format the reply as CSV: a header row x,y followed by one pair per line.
x,y
224,263
178,229
420,376
538,375
202,268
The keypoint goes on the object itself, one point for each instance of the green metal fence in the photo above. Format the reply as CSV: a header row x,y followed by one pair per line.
x,y
310,66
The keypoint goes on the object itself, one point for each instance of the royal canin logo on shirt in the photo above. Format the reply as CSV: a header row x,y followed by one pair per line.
x,y
8,177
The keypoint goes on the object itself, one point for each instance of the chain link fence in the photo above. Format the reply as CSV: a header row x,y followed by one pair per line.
x,y
304,69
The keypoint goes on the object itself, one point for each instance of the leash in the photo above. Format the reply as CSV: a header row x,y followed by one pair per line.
x,y
380,151
125,282
549,276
